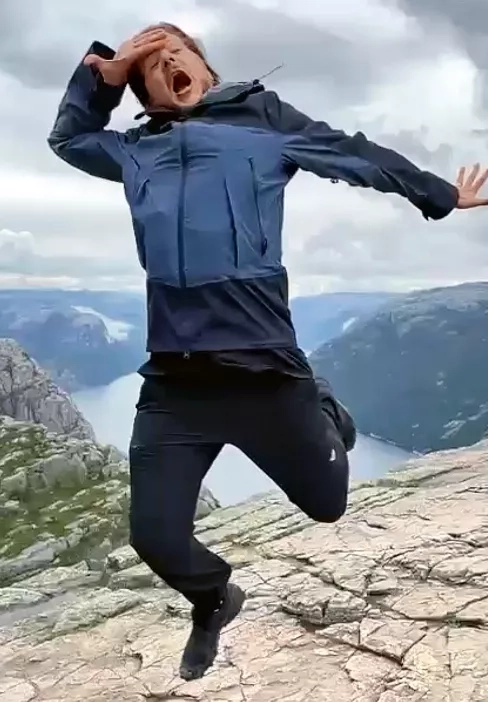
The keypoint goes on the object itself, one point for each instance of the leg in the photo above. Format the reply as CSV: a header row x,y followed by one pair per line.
x,y
337,413
287,433
165,483
171,451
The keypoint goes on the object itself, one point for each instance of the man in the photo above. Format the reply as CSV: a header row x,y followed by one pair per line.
x,y
204,179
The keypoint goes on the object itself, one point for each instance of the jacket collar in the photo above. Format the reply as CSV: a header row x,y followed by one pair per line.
x,y
222,93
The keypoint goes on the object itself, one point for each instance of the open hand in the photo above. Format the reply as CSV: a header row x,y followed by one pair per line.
x,y
116,71
469,186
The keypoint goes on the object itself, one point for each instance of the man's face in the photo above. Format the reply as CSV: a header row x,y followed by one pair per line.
x,y
175,76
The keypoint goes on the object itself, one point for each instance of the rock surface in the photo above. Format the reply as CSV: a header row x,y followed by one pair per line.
x,y
61,499
27,393
388,605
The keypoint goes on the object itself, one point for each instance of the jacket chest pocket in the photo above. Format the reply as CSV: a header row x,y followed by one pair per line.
x,y
243,201
135,183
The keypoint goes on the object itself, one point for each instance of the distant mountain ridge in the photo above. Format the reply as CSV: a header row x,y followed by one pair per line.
x,y
88,338
415,373
319,318
83,338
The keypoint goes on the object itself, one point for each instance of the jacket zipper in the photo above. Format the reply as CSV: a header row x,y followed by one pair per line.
x,y
181,216
181,207
264,241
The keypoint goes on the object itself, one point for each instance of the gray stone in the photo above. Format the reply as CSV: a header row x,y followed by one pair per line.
x,y
61,471
29,394
56,581
122,558
133,578
92,610
206,503
14,485
11,597
11,507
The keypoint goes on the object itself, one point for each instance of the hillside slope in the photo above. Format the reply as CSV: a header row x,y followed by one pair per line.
x,y
415,373
319,318
62,499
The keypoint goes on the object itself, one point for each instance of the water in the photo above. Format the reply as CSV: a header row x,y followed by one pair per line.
x,y
233,477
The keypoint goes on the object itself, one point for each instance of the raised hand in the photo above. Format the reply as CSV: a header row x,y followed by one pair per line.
x,y
116,71
469,185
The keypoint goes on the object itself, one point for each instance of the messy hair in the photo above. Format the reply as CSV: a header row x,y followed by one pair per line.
x,y
136,79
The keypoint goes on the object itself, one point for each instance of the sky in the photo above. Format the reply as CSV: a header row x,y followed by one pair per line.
x,y
411,74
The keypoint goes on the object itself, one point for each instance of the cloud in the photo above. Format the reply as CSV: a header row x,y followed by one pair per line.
x,y
406,72
464,24
22,258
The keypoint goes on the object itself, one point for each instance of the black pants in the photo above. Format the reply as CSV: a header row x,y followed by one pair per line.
x,y
179,430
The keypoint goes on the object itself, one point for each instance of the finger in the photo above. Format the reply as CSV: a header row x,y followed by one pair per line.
x,y
481,203
478,184
473,175
149,36
461,176
151,29
148,49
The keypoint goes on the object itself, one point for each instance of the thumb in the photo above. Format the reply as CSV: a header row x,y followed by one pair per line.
x,y
93,60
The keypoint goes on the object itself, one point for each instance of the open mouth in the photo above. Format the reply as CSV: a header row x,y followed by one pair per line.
x,y
181,82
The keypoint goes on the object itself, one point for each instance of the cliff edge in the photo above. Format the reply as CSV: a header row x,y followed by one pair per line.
x,y
28,393
388,605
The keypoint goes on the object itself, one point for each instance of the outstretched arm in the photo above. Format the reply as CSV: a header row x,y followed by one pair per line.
x,y
79,136
330,153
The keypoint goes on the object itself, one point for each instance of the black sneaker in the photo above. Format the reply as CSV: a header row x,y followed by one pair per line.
x,y
337,412
203,644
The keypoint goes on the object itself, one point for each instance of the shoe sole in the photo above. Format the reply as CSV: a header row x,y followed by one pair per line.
x,y
235,606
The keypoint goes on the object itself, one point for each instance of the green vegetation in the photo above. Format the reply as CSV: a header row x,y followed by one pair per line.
x,y
74,510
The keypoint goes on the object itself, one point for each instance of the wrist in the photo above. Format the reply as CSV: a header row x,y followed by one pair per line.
x,y
114,82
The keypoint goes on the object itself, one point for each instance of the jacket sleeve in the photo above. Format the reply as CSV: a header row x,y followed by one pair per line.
x,y
79,136
330,153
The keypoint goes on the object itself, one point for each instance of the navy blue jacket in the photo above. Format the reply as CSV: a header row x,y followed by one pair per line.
x,y
205,189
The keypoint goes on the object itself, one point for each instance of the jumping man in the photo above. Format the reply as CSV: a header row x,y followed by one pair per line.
x,y
204,177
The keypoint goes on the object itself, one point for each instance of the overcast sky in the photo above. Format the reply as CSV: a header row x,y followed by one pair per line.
x,y
411,74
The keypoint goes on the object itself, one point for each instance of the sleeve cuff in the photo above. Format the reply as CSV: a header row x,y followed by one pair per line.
x,y
444,203
101,50
104,97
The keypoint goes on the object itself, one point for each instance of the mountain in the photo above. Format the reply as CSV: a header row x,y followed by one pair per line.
x,y
415,373
388,605
27,392
83,338
319,318
63,496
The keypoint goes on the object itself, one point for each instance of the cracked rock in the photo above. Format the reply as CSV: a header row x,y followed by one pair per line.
x,y
388,605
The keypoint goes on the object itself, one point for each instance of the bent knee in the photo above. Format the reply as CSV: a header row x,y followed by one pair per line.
x,y
328,516
327,511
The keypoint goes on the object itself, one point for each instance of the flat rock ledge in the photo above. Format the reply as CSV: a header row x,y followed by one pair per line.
x,y
389,605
